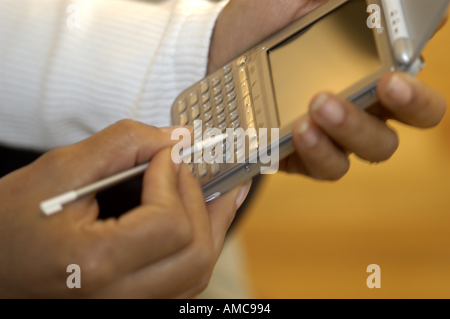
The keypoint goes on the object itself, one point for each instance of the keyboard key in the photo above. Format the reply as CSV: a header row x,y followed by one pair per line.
x,y
197,125
238,134
226,146
243,74
234,115
218,90
182,106
193,98
210,133
253,143
249,115
197,135
228,156
204,86
240,156
248,101
227,69
215,168
195,112
209,125
231,97
216,81
245,89
236,124
240,145
207,107
202,169
220,108
221,118
242,60
213,154
208,116
219,99
228,78
206,97
232,106
223,127
184,119
230,87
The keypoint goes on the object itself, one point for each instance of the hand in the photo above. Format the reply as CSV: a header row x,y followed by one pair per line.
x,y
244,23
333,129
166,247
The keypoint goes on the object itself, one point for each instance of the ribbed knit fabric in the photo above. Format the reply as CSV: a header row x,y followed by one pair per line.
x,y
129,59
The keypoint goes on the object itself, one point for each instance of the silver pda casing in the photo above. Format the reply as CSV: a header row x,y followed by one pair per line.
x,y
342,46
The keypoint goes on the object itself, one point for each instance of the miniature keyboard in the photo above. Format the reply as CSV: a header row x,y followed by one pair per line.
x,y
221,101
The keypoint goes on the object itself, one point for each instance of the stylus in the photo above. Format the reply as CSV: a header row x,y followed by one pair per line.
x,y
55,205
401,42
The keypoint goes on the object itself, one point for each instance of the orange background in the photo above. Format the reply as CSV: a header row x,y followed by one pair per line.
x,y
309,239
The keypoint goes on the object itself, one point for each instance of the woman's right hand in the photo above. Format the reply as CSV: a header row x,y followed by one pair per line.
x,y
165,248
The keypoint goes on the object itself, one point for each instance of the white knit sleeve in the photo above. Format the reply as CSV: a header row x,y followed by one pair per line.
x,y
128,59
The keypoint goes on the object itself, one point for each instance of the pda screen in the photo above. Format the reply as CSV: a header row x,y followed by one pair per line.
x,y
332,54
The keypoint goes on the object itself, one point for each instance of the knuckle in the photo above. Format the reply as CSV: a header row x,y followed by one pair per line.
x,y
391,147
56,156
58,159
126,129
129,127
130,133
338,174
386,150
333,170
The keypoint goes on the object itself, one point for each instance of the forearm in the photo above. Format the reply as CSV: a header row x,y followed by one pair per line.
x,y
129,59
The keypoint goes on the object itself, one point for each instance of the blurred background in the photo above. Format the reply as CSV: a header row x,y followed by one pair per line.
x,y
309,239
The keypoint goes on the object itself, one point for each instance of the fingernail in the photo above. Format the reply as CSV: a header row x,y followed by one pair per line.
x,y
319,101
242,194
399,91
308,135
329,109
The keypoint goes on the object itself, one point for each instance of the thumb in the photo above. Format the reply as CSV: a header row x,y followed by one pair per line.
x,y
119,147
115,149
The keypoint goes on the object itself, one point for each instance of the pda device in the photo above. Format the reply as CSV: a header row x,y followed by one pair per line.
x,y
342,46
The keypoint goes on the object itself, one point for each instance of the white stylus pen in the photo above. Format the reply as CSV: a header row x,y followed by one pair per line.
x,y
55,205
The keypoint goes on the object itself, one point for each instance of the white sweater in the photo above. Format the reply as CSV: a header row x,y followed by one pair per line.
x,y
129,59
